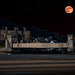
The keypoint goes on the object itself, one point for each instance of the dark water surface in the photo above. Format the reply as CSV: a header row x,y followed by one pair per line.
x,y
53,64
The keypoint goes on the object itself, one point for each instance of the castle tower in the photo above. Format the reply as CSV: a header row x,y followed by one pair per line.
x,y
15,28
6,44
24,30
6,32
70,43
6,28
27,36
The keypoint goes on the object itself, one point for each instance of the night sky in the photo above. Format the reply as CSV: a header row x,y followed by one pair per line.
x,y
45,14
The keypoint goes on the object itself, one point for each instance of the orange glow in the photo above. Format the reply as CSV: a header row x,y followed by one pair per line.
x,y
68,9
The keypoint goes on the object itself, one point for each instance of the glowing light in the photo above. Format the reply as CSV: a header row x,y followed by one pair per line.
x,y
69,9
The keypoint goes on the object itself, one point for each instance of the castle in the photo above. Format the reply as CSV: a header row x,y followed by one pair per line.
x,y
20,39
14,36
17,35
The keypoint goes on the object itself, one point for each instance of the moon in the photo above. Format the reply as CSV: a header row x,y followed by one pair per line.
x,y
69,9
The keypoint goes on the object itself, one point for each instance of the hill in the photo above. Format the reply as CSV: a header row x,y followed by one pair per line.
x,y
35,32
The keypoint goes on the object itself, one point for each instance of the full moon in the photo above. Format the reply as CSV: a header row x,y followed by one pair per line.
x,y
69,9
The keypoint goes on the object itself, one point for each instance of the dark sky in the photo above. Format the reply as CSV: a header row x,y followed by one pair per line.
x,y
45,14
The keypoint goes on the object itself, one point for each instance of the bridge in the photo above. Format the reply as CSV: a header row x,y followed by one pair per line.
x,y
40,45
69,44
